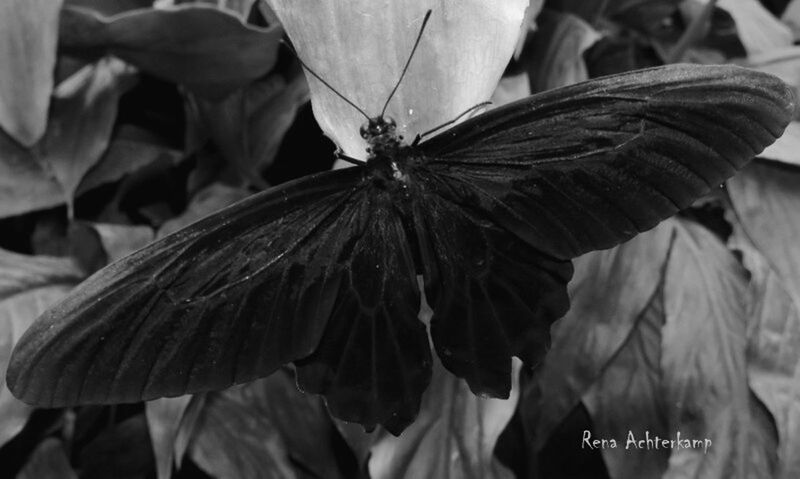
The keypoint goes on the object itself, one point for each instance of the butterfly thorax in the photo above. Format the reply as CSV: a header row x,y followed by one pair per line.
x,y
387,156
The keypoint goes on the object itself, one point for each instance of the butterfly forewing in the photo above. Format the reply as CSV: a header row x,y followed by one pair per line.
x,y
227,300
588,166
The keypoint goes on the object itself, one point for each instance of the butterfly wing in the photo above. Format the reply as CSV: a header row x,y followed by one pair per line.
x,y
581,168
234,296
492,295
588,166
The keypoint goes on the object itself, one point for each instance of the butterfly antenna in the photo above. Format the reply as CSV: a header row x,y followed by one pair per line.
x,y
408,62
448,123
312,72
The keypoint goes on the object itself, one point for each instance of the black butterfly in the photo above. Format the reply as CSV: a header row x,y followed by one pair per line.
x,y
322,271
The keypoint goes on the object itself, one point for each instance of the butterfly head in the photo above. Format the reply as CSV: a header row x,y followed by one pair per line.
x,y
381,135
380,126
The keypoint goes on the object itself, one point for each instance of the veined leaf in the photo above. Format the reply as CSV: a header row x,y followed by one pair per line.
x,y
703,360
773,359
765,199
609,291
626,398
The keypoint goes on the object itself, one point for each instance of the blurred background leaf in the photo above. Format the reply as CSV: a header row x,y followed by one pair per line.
x,y
266,428
210,52
28,39
48,461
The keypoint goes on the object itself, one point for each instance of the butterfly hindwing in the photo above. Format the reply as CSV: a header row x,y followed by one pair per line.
x,y
230,299
492,295
374,360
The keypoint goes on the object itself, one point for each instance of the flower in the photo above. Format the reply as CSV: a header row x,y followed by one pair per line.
x,y
360,48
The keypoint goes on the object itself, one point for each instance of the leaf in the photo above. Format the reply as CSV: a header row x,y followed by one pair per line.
x,y
554,57
239,7
121,451
626,397
82,118
130,149
589,11
164,417
452,438
773,356
109,7
705,34
766,201
188,425
28,286
303,422
511,88
644,15
28,37
787,148
24,184
791,17
171,423
120,240
612,55
763,441
263,429
710,31
209,51
759,31
472,39
48,461
703,362
598,323
248,125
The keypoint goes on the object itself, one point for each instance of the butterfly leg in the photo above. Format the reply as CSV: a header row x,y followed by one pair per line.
x,y
339,154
